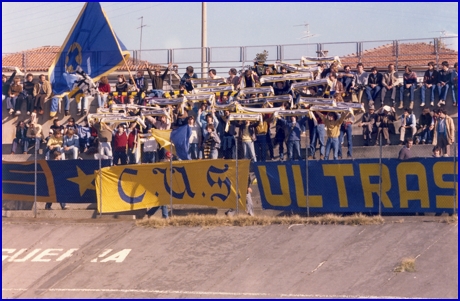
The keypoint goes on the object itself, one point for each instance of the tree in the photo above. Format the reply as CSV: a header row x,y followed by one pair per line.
x,y
261,57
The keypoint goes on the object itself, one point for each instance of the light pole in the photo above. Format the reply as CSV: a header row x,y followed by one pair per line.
x,y
204,40
142,26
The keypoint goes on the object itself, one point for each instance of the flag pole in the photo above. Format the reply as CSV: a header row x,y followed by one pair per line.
x,y
130,75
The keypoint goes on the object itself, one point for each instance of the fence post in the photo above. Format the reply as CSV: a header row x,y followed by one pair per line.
x,y
100,186
35,175
306,174
455,176
170,181
236,181
380,175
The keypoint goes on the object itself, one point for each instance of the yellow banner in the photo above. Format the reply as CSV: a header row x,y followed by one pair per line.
x,y
204,182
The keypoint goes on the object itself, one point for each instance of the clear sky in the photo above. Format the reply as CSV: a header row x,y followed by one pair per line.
x,y
29,25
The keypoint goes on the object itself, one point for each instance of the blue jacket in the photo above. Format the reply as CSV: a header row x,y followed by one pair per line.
x,y
72,141
293,131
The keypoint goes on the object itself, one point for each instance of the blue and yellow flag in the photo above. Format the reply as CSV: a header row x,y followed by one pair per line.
x,y
179,138
197,182
91,44
69,181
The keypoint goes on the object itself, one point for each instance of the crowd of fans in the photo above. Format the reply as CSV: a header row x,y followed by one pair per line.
x,y
209,138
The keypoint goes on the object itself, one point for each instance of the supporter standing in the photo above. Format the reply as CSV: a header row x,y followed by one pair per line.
x,y
104,135
186,78
293,130
211,143
333,131
195,138
369,125
444,131
120,142
132,142
21,138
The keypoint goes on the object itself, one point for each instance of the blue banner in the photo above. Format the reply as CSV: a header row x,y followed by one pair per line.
x,y
412,186
91,44
70,181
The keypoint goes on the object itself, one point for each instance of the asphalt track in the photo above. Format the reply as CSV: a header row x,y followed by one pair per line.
x,y
117,259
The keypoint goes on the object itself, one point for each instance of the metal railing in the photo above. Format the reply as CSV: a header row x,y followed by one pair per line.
x,y
222,58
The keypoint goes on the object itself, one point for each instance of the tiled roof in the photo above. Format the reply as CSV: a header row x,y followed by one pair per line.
x,y
40,59
414,54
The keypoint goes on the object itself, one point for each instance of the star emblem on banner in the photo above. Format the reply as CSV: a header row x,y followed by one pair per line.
x,y
83,181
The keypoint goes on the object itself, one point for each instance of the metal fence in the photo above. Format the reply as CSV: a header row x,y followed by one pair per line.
x,y
223,58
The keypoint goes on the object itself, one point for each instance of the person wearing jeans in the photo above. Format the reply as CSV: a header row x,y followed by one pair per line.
x,y
21,138
374,85
247,137
293,130
409,83
317,133
444,78
194,139
429,82
333,132
346,129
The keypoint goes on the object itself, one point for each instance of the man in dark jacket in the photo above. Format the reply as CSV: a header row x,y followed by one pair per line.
x,y
21,138
443,83
141,86
157,80
374,85
186,79
429,82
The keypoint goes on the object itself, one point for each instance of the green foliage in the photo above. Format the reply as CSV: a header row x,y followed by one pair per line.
x,y
261,57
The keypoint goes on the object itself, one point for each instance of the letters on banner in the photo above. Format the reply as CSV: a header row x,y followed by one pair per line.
x,y
205,182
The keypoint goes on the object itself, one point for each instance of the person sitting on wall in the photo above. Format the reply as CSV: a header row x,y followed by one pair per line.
x,y
369,125
71,144
42,92
408,121
390,81
409,83
158,80
120,87
430,79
